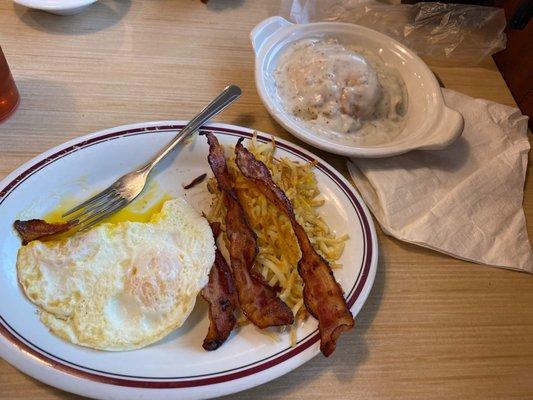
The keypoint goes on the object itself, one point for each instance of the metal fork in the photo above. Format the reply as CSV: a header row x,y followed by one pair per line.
x,y
128,187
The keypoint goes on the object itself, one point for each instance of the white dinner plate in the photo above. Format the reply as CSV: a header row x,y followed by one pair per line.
x,y
59,7
176,367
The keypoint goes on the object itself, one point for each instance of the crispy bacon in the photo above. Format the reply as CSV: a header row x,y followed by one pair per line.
x,y
323,296
220,294
195,181
257,299
34,229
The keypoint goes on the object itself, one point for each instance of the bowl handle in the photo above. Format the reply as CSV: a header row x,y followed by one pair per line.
x,y
265,29
447,131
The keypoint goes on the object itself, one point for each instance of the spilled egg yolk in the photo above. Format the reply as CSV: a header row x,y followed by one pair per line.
x,y
140,210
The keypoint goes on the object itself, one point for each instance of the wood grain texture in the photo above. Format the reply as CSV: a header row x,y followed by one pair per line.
x,y
433,327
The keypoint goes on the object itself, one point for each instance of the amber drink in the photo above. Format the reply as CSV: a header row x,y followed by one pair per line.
x,y
9,95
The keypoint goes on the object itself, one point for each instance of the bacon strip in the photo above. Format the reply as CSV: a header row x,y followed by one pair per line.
x,y
257,299
34,229
220,294
323,296
195,181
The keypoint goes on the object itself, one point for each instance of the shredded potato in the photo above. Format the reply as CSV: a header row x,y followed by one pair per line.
x,y
279,252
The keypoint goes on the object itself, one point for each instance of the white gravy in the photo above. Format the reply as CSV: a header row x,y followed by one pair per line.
x,y
345,93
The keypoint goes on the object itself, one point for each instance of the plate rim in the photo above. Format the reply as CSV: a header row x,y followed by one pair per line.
x,y
54,372
52,6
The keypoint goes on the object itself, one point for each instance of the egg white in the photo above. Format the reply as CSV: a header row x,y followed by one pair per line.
x,y
120,286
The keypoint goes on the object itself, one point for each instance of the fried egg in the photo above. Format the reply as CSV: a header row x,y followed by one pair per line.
x,y
120,286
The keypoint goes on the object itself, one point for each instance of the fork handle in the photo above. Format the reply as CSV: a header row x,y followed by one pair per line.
x,y
224,99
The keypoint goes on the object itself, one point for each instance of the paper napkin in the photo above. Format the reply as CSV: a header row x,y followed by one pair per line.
x,y
466,200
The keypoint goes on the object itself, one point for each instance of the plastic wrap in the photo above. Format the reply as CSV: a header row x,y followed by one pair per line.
x,y
453,34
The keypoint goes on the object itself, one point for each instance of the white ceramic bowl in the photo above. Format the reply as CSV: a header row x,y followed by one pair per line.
x,y
430,124
59,7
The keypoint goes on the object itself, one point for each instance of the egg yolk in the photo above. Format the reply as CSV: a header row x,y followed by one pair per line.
x,y
140,210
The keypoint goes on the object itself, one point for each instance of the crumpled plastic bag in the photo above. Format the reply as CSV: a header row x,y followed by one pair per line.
x,y
449,34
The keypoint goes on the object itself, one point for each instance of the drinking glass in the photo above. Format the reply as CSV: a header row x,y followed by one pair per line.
x,y
9,95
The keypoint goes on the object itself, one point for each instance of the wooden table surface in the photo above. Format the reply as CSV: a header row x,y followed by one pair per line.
x,y
433,327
